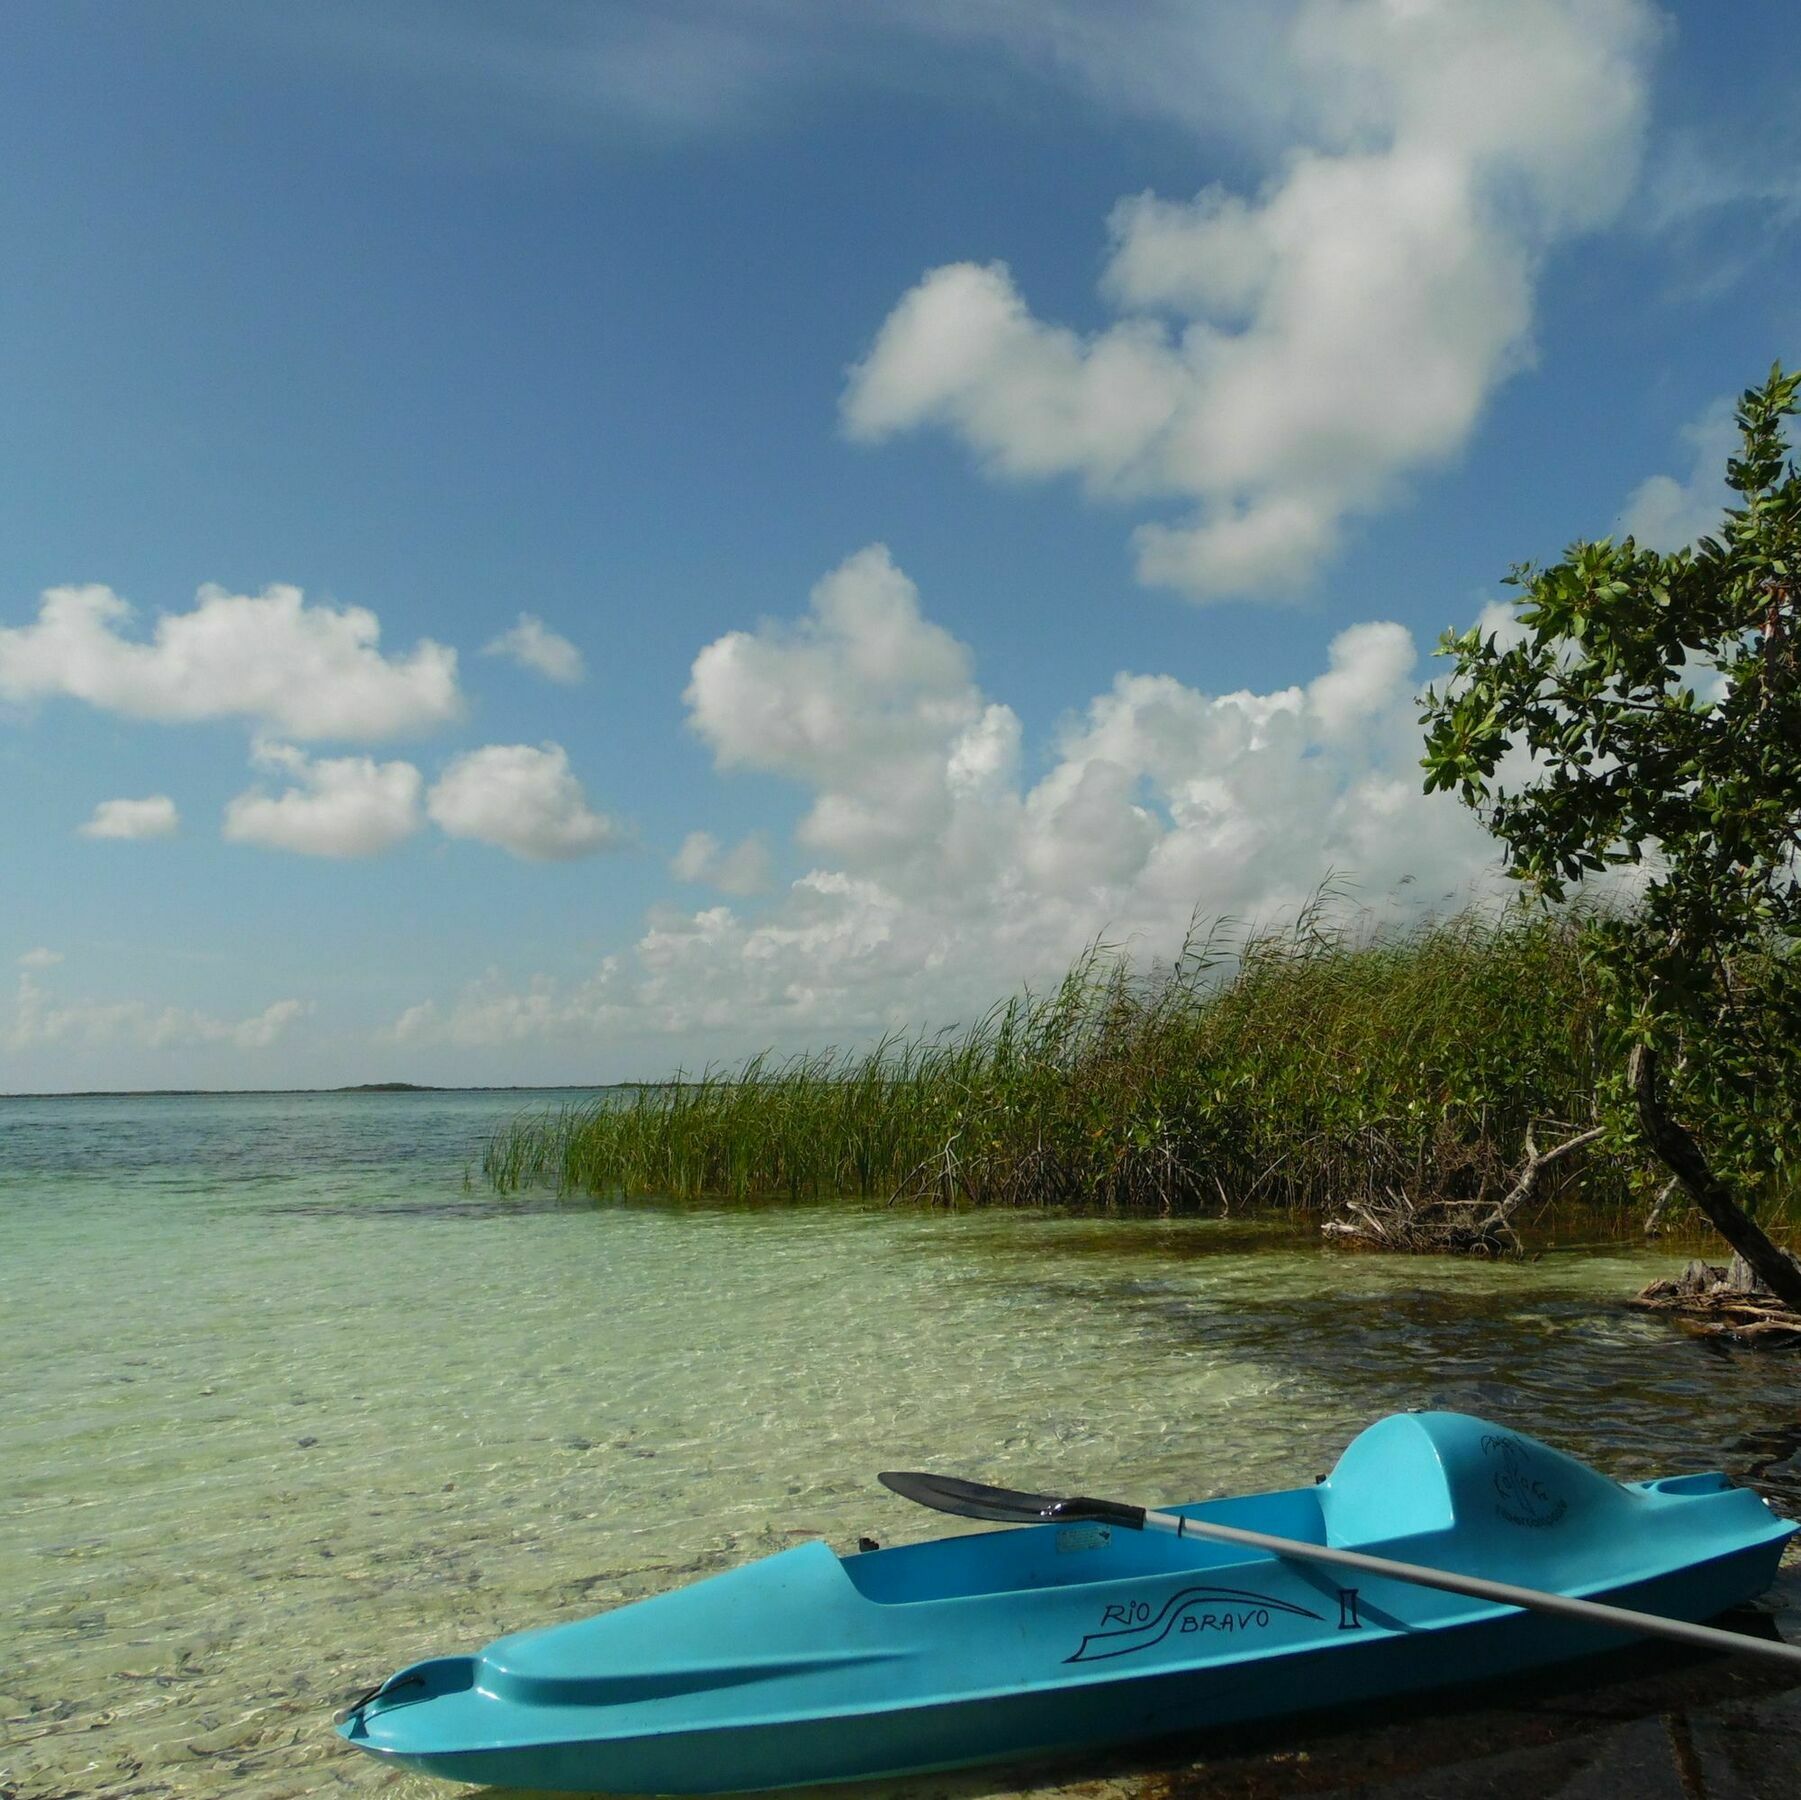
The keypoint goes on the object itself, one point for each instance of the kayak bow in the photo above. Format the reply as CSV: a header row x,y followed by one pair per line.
x,y
810,1667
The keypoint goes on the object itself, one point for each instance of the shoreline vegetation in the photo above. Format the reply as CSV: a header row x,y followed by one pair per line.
x,y
360,1087
1326,1068
1427,1087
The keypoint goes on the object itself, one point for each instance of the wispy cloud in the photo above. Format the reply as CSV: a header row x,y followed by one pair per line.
x,y
1666,512
678,67
41,1018
1692,179
744,868
533,645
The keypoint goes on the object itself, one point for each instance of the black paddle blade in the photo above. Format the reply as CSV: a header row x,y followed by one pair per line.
x,y
1005,1506
972,1499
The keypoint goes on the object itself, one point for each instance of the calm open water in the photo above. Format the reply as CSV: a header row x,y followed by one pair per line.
x,y
283,1404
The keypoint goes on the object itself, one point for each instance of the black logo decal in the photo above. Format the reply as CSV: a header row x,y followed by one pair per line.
x,y
1134,1625
1522,1496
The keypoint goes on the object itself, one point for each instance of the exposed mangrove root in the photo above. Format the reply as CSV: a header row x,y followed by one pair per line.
x,y
1478,1227
1725,1302
1147,1178
1453,1227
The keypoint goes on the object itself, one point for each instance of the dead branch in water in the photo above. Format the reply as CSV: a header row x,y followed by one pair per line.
x,y
1724,1302
1477,1227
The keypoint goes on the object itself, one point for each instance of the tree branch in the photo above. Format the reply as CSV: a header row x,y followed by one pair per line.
x,y
1681,1155
1537,1161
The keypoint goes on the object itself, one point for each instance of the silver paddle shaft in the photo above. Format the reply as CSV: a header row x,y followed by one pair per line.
x,y
1503,1593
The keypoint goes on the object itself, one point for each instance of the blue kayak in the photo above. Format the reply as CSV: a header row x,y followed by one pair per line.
x,y
811,1667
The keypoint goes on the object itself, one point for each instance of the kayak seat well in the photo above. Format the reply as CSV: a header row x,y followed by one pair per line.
x,y
1711,1483
1049,1556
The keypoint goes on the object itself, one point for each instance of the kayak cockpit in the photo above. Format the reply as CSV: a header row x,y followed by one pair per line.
x,y
1056,1556
1438,1487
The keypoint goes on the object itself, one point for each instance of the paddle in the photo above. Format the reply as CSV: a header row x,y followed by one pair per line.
x,y
974,1500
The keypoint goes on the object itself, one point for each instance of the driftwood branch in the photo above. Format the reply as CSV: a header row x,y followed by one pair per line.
x,y
1724,1302
1479,1227
1537,1161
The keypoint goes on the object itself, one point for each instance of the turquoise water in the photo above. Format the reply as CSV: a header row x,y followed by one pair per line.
x,y
285,1404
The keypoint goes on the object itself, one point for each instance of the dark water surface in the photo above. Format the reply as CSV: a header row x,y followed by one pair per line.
x,y
285,1403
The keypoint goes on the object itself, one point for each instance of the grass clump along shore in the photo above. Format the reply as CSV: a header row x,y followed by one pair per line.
x,y
1322,1066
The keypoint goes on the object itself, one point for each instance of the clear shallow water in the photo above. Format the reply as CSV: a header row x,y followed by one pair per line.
x,y
284,1404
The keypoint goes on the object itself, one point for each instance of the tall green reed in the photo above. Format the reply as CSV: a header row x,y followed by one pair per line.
x,y
1300,1067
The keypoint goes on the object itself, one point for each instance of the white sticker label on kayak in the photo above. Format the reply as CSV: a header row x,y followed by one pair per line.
x,y
1082,1537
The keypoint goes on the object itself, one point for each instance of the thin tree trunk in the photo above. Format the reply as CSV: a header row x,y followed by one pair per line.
x,y
1537,1161
1681,1155
1654,1218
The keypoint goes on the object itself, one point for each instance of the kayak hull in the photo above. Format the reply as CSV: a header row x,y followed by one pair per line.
x,y
808,1668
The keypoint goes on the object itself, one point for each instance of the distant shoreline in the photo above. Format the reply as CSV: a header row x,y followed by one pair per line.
x,y
366,1087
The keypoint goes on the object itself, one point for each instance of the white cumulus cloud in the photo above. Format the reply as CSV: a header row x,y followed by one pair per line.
x,y
1285,359
40,958
944,875
333,806
868,704
523,799
152,817
300,669
533,645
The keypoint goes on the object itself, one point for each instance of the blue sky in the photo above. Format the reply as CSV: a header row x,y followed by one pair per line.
x,y
982,479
